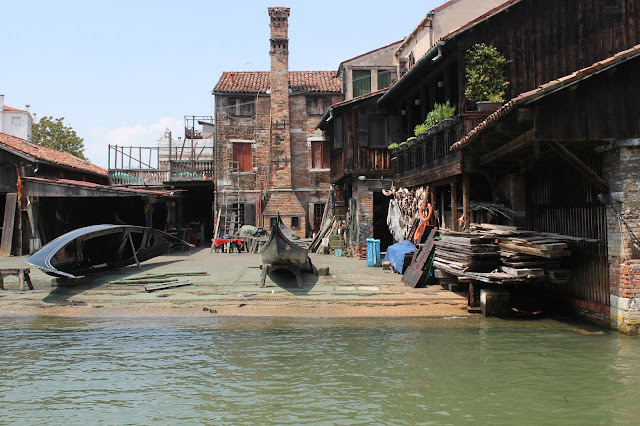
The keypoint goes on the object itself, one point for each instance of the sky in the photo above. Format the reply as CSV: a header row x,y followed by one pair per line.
x,y
121,72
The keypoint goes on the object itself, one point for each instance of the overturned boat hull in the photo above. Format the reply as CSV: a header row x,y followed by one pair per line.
x,y
96,248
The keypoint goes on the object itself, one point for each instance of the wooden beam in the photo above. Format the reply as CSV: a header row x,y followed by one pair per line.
x,y
454,206
496,188
509,147
577,164
466,207
7,227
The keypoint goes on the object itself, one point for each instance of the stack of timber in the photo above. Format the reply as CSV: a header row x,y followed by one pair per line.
x,y
470,252
472,256
504,254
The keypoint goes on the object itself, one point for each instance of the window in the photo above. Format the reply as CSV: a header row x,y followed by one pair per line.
x,y
372,131
612,7
242,161
361,82
317,105
377,132
295,222
241,107
384,79
273,222
320,155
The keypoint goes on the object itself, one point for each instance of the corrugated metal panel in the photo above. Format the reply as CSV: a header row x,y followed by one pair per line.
x,y
561,200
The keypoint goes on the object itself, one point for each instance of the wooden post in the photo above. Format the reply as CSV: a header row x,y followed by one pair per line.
x,y
7,227
466,208
454,206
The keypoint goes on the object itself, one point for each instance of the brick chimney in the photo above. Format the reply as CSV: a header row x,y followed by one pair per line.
x,y
281,199
279,79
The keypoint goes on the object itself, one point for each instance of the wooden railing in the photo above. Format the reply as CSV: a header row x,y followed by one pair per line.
x,y
426,152
372,159
177,171
191,169
137,177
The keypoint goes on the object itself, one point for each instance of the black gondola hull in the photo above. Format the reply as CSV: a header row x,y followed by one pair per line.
x,y
96,248
284,247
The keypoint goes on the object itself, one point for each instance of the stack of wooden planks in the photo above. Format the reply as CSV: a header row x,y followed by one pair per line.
x,y
471,252
502,254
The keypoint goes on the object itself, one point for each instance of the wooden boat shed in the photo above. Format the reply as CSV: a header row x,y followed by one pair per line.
x,y
562,153
45,193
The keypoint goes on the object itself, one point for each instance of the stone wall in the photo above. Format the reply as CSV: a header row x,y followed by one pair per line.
x,y
623,176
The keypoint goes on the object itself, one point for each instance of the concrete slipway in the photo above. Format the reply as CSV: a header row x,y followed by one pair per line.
x,y
231,288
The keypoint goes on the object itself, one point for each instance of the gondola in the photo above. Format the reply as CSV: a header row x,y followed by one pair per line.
x,y
96,248
284,250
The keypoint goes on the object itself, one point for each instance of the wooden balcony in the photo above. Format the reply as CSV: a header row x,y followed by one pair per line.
x,y
366,161
429,156
190,170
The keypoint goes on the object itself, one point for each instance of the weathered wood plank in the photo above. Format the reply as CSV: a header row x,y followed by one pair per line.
x,y
7,226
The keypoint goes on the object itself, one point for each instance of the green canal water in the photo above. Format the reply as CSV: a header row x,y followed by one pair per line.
x,y
277,371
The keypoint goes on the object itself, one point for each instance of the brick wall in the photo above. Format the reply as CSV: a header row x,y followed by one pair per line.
x,y
623,176
363,229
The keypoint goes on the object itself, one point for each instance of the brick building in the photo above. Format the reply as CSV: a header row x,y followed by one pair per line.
x,y
270,158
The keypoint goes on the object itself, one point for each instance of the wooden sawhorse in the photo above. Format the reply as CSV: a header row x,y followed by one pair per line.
x,y
266,268
22,273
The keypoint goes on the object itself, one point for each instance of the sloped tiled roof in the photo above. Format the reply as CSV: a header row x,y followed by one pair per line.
x,y
259,82
49,155
546,89
8,108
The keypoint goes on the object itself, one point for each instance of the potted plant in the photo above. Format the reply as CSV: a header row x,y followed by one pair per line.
x,y
437,115
486,82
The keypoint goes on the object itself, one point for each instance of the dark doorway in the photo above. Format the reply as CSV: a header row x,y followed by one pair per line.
x,y
380,227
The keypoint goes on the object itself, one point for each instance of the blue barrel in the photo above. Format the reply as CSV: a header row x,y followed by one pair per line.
x,y
373,252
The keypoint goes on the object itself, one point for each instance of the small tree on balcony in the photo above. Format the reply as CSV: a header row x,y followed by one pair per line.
x,y
485,74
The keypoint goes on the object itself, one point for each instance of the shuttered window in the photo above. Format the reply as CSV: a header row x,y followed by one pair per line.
x,y
242,156
319,155
377,132
384,79
317,105
361,82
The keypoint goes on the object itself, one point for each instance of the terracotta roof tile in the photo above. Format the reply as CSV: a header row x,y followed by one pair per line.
x,y
8,108
545,89
259,82
49,154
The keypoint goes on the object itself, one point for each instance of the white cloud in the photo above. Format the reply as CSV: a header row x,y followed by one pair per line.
x,y
97,144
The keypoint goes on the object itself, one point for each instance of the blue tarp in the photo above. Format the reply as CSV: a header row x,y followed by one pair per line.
x,y
395,254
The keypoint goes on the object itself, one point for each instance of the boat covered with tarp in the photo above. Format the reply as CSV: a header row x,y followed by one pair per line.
x,y
97,248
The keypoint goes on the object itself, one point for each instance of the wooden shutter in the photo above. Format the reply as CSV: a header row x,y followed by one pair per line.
x,y
377,132
326,160
337,134
363,130
242,154
395,130
316,155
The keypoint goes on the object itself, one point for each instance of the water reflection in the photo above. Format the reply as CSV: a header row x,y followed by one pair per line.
x,y
276,371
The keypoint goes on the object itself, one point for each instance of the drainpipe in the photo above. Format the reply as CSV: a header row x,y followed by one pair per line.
x,y
439,48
